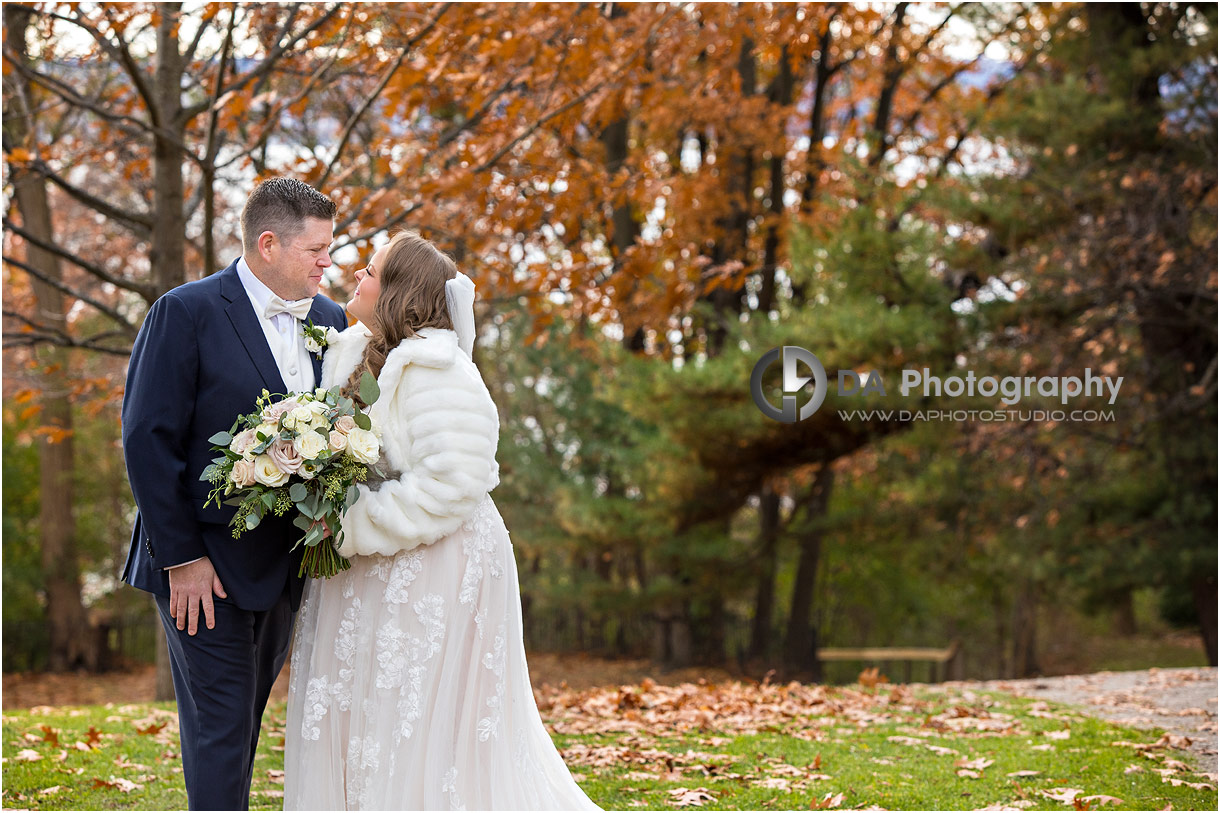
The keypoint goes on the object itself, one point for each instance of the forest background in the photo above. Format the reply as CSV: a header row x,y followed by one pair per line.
x,y
649,197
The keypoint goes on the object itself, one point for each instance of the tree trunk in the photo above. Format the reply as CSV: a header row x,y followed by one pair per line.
x,y
1203,588
72,642
800,653
764,594
168,252
1024,631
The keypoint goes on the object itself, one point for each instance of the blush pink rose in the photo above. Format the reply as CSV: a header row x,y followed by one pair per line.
x,y
242,474
338,441
272,413
285,456
244,442
345,424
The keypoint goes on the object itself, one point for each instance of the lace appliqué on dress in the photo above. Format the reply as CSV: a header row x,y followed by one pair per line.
x,y
430,610
479,546
363,760
489,726
450,786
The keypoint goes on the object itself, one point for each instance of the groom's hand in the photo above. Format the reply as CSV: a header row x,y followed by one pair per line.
x,y
189,587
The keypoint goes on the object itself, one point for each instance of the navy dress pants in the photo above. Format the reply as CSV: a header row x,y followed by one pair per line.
x,y
222,679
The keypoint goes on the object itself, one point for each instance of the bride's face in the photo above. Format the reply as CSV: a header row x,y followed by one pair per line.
x,y
368,286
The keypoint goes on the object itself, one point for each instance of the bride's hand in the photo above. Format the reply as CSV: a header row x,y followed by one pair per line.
x,y
325,527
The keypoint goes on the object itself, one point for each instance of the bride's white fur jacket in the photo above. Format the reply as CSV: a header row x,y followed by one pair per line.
x,y
439,427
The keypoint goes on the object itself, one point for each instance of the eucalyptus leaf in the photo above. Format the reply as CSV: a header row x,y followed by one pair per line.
x,y
369,391
362,421
298,492
303,522
252,521
269,499
208,472
221,439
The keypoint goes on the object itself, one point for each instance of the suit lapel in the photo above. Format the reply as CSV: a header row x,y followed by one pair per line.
x,y
249,331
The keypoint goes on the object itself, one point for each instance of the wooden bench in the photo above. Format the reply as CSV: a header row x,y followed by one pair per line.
x,y
944,662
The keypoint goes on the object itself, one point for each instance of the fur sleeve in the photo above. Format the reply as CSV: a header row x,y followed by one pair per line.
x,y
440,429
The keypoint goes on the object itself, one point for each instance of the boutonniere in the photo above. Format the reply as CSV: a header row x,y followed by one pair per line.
x,y
315,337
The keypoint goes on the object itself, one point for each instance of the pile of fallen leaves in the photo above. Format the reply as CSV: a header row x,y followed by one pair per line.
x,y
711,715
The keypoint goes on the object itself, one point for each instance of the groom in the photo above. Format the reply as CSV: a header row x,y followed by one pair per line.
x,y
205,352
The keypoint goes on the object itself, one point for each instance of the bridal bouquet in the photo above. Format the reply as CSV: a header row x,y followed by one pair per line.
x,y
306,451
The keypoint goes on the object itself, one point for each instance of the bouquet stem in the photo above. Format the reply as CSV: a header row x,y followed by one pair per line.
x,y
322,561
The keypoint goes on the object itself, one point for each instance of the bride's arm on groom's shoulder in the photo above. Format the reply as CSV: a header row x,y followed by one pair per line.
x,y
441,431
158,411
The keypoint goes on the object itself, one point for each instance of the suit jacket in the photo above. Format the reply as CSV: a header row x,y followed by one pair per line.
x,y
200,360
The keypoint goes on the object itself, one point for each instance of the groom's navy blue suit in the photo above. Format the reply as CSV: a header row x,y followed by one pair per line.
x,y
200,360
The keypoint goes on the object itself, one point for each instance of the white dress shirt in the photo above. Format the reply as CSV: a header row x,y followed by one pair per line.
x,y
283,334
284,337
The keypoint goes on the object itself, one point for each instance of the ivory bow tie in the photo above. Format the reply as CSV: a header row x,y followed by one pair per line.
x,y
299,308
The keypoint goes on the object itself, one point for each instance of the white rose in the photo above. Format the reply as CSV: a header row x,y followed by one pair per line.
x,y
307,471
267,473
311,344
310,444
302,418
363,446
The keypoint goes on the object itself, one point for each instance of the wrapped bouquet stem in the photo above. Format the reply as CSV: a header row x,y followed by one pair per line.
x,y
305,452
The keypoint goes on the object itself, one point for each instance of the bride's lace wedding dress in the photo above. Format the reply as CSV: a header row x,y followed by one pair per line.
x,y
409,688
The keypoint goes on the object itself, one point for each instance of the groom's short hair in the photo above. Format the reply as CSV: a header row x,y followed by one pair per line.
x,y
280,206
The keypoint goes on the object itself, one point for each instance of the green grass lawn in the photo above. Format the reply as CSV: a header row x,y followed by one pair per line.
x,y
726,748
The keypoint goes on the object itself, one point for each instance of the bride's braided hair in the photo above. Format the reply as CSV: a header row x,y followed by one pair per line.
x,y
412,297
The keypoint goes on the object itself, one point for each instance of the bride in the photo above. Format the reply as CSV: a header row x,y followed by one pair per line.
x,y
409,687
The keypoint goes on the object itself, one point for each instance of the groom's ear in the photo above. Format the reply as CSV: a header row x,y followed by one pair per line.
x,y
266,244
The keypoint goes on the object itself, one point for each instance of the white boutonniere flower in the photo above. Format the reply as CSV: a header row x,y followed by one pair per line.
x,y
315,337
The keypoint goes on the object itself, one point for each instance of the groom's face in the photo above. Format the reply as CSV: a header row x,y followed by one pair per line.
x,y
299,262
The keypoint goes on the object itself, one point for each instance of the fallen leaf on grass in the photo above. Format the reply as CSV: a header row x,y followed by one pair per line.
x,y
940,749
153,728
968,774
1023,773
275,776
80,746
1173,780
1061,734
50,790
1044,747
1065,795
974,764
118,783
682,797
272,794
94,736
1102,799
830,800
774,782
1133,769
28,755
50,735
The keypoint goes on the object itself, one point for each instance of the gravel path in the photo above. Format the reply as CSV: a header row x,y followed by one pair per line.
x,y
1180,701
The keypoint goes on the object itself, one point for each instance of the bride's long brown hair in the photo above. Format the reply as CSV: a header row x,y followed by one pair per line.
x,y
412,297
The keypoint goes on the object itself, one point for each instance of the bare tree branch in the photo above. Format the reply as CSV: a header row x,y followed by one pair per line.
x,y
137,222
368,101
267,64
145,291
66,289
